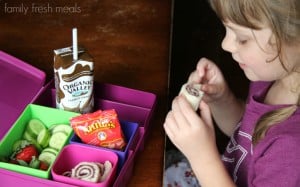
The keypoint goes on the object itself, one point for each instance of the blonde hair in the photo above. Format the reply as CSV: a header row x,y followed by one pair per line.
x,y
283,18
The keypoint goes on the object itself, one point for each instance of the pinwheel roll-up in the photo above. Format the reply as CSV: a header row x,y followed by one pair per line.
x,y
91,171
193,94
87,171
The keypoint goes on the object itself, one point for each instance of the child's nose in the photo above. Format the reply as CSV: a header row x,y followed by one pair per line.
x,y
228,44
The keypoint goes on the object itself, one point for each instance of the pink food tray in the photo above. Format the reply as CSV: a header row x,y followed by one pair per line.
x,y
73,154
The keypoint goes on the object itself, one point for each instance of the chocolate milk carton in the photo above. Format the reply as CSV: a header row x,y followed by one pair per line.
x,y
73,80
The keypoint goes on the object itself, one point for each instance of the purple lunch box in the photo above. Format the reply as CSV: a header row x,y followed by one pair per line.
x,y
20,83
24,84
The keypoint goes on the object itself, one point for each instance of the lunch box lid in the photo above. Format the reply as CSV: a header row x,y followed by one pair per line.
x,y
20,83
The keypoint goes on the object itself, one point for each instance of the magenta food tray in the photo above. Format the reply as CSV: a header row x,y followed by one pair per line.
x,y
73,154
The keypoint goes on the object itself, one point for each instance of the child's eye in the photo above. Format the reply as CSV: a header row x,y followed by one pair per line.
x,y
242,41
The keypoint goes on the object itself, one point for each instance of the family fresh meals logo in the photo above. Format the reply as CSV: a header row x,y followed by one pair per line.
x,y
39,8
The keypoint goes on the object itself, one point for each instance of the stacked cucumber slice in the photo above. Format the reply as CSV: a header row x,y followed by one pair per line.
x,y
47,140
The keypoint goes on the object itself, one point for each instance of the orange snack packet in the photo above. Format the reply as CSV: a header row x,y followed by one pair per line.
x,y
100,128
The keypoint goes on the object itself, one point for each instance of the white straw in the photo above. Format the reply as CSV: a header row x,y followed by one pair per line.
x,y
75,44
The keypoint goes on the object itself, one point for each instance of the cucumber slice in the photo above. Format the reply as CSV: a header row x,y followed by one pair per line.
x,y
32,140
58,140
34,127
50,150
67,129
28,137
43,138
47,157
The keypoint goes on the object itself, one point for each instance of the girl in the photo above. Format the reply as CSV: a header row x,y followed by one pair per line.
x,y
263,37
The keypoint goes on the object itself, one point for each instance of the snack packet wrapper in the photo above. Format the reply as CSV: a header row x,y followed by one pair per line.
x,y
100,128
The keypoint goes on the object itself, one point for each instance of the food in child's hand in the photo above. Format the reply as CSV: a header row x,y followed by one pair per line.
x,y
193,94
100,128
90,171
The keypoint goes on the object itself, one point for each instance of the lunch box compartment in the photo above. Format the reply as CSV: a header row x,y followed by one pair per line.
x,y
49,116
130,131
73,154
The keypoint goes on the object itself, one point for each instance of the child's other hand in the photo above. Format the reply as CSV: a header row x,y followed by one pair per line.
x,y
209,75
194,136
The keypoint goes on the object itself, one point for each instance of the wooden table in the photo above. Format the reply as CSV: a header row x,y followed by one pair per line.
x,y
128,39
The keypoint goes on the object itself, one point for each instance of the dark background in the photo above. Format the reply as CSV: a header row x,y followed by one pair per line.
x,y
197,32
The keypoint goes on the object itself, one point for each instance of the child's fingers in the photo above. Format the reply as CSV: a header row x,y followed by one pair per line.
x,y
170,125
197,75
205,113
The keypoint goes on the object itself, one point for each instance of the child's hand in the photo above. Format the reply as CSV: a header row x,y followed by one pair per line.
x,y
192,135
213,83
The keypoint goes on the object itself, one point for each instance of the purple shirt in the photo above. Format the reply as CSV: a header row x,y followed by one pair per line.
x,y
275,160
